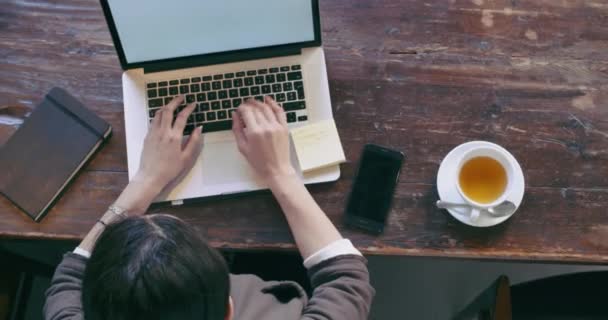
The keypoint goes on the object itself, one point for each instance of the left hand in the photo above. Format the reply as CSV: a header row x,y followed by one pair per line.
x,y
165,158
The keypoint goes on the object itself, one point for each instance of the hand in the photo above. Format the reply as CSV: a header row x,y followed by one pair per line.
x,y
262,137
164,160
165,156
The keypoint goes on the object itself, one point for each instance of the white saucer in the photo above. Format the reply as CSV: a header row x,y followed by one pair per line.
x,y
447,178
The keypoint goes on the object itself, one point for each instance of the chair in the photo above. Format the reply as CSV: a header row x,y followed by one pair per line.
x,y
21,272
494,303
580,296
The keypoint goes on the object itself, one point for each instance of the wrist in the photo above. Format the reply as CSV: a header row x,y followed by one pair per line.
x,y
144,179
281,181
139,194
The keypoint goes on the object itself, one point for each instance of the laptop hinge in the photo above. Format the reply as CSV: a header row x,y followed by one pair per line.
x,y
221,58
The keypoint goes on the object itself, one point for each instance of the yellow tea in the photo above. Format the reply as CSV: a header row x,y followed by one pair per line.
x,y
483,179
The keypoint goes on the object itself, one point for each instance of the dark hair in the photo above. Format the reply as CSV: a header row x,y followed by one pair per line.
x,y
154,267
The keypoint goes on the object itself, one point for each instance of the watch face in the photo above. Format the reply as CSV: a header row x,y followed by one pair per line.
x,y
122,213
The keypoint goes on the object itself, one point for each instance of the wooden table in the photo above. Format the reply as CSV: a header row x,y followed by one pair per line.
x,y
417,76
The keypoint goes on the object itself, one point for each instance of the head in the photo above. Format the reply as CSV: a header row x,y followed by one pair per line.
x,y
155,267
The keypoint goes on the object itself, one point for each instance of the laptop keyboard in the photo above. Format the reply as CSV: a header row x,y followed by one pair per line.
x,y
217,96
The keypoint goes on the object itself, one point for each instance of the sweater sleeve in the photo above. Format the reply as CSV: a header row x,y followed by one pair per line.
x,y
341,290
63,296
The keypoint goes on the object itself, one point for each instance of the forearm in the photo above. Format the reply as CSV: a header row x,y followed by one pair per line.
x,y
88,243
135,200
309,225
341,283
138,195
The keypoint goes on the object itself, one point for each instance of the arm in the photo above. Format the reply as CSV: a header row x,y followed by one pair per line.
x,y
159,167
63,296
310,226
337,270
341,289
164,160
134,200
263,138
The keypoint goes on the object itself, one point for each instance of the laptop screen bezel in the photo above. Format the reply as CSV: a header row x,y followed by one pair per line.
x,y
208,58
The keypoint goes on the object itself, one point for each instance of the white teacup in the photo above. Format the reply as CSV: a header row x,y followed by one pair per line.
x,y
497,154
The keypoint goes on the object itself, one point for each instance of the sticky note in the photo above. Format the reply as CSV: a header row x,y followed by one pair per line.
x,y
318,145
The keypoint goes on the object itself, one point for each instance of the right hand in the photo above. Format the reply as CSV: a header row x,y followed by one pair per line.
x,y
263,138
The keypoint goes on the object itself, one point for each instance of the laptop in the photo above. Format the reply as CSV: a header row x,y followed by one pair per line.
x,y
218,54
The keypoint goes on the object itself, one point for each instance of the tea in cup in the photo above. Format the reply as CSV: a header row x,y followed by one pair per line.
x,y
485,176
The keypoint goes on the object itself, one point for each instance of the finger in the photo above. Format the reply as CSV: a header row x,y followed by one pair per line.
x,y
193,147
168,112
182,118
266,111
278,112
258,111
246,112
154,129
157,119
238,129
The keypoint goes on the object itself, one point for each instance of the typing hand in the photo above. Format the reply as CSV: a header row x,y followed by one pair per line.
x,y
262,137
165,157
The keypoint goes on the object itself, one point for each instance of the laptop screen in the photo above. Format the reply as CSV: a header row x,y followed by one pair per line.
x,y
158,29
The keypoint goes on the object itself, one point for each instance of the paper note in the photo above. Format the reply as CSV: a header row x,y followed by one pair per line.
x,y
318,145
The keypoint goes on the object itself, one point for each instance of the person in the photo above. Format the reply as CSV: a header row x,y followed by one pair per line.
x,y
135,266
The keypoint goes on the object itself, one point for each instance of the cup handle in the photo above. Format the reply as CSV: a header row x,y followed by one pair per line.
x,y
474,214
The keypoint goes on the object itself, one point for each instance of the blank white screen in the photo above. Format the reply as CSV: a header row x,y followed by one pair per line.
x,y
160,29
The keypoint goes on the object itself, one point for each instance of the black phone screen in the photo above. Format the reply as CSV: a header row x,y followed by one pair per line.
x,y
375,183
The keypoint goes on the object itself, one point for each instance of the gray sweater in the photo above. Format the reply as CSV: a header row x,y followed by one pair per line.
x,y
341,292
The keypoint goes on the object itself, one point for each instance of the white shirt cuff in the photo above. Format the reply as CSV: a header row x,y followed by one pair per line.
x,y
81,252
334,249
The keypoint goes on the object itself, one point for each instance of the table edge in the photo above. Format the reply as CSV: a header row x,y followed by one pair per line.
x,y
567,258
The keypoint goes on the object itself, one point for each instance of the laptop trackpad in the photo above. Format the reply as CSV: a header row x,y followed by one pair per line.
x,y
223,164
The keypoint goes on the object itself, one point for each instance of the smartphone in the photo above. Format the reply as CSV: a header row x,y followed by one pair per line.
x,y
370,198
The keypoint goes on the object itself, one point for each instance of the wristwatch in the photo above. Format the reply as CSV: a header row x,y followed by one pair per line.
x,y
122,213
118,213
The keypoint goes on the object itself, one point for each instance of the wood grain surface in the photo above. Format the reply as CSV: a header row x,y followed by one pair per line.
x,y
418,76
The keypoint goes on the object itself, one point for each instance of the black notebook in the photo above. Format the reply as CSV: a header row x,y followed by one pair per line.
x,y
47,151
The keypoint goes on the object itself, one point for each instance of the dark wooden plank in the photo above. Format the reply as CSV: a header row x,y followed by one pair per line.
x,y
556,146
546,228
418,76
67,44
